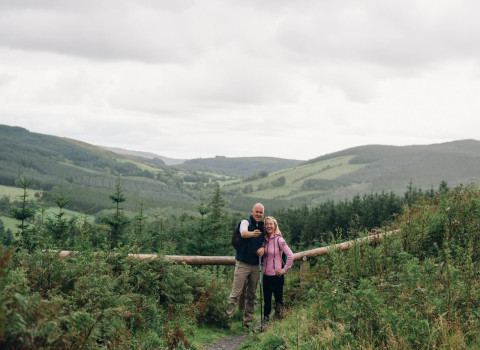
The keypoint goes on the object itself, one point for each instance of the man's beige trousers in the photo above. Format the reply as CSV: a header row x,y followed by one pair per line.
x,y
244,273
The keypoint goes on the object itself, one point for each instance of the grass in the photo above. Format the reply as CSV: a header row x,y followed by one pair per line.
x,y
9,223
141,165
49,212
205,336
11,192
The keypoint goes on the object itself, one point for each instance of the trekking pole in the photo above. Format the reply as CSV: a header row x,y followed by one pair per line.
x,y
261,293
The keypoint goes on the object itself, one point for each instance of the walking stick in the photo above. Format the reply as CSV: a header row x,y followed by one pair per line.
x,y
261,293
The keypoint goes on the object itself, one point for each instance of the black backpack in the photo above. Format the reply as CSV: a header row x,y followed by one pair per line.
x,y
236,235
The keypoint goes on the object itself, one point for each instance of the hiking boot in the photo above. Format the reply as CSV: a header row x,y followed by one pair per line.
x,y
246,325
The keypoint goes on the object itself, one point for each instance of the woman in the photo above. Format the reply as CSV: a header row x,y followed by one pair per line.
x,y
273,269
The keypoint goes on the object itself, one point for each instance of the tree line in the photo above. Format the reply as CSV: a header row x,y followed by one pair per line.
x,y
205,231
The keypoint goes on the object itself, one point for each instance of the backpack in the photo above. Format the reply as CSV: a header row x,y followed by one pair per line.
x,y
284,256
236,236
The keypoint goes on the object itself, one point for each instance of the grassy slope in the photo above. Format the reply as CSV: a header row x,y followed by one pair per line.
x,y
326,170
370,169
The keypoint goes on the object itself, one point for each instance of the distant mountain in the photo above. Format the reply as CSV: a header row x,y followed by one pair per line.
x,y
148,155
241,167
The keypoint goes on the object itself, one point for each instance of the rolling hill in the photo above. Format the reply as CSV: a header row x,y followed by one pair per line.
x,y
367,169
87,174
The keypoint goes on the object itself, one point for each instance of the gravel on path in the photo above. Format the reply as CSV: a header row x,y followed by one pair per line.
x,y
230,343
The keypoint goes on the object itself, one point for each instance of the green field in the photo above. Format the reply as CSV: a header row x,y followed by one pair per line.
x,y
142,166
9,223
49,212
329,169
14,193
11,192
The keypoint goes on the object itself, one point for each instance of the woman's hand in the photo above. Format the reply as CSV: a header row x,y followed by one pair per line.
x,y
279,272
260,251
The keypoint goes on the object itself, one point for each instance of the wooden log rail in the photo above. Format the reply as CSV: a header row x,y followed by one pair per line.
x,y
230,260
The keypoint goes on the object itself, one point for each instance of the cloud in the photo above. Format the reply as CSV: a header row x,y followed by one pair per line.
x,y
191,78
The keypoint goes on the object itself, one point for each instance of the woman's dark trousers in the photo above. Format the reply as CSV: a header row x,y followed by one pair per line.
x,y
273,285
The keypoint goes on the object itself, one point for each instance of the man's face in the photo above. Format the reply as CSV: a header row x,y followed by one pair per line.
x,y
258,213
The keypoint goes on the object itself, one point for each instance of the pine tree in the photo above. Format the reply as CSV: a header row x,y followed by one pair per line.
x,y
211,234
25,213
200,242
217,224
156,230
118,221
140,238
58,227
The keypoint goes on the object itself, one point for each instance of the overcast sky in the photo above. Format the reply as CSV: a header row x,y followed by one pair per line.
x,y
281,78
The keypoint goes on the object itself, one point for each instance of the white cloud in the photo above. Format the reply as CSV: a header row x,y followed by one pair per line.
x,y
190,78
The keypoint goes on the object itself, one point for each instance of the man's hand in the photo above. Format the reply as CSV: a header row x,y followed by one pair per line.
x,y
279,272
256,233
251,234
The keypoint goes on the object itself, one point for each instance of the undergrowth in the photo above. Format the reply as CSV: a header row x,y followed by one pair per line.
x,y
103,301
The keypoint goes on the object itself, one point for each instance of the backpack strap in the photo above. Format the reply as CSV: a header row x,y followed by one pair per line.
x,y
281,252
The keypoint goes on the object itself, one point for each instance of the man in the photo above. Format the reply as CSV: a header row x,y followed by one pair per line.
x,y
249,249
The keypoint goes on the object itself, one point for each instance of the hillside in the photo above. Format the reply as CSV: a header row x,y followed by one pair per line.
x,y
241,167
148,155
88,173
366,169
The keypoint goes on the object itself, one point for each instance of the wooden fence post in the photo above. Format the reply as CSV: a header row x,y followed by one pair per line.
x,y
303,269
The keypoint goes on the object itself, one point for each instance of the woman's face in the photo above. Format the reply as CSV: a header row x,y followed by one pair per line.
x,y
269,227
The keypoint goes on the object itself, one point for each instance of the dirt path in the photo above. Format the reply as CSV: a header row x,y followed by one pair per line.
x,y
230,343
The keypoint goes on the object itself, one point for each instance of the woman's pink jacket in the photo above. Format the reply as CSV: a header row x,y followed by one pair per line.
x,y
272,258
